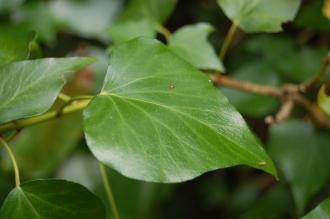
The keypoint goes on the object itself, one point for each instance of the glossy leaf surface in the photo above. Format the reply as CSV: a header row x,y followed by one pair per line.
x,y
51,199
159,119
260,15
190,43
28,88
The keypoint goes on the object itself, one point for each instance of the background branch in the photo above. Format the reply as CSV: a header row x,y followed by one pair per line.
x,y
290,93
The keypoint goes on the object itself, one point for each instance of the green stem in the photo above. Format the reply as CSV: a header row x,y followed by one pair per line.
x,y
164,31
19,124
70,101
13,160
64,97
227,41
108,190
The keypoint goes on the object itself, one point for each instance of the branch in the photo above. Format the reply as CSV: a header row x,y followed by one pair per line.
x,y
288,92
246,86
318,115
305,86
19,124
283,114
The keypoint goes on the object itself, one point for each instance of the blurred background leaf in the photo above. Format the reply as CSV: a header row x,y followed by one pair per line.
x,y
302,154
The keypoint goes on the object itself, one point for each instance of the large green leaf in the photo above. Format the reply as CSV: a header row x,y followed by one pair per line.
x,y
159,119
28,88
51,199
303,155
190,43
322,211
141,18
260,15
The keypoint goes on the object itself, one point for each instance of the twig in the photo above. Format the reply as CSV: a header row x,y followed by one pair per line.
x,y
72,100
64,97
283,114
246,86
318,77
319,117
287,91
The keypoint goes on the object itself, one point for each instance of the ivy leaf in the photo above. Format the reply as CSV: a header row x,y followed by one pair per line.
x,y
29,88
260,15
190,43
134,199
15,43
159,119
89,18
51,199
294,145
265,206
320,212
141,18
310,17
323,99
29,16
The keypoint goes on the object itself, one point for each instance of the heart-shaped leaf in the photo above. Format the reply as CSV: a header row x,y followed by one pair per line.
x,y
51,199
141,18
29,88
260,15
190,43
303,155
159,119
